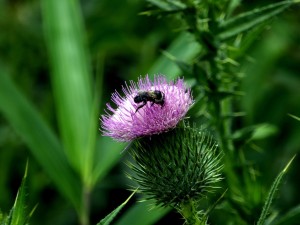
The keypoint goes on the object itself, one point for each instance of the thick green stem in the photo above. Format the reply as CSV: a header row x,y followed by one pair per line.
x,y
190,214
223,128
221,107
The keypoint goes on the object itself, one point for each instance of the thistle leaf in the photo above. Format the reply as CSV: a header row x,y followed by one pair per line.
x,y
232,6
255,132
184,47
251,19
19,214
19,208
186,68
168,5
226,94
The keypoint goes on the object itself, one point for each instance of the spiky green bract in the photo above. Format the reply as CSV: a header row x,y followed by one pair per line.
x,y
176,167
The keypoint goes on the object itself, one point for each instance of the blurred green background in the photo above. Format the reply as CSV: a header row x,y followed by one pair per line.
x,y
124,45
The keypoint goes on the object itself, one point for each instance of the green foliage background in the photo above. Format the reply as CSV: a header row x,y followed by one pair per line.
x,y
123,45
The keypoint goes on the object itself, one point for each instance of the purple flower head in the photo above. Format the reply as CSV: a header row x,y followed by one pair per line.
x,y
147,108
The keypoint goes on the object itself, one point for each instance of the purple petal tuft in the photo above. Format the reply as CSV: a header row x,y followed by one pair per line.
x,y
125,124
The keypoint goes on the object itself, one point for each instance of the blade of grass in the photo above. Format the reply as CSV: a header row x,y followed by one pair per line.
x,y
41,141
108,219
274,187
71,80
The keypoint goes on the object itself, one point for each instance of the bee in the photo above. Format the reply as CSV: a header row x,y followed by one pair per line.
x,y
156,97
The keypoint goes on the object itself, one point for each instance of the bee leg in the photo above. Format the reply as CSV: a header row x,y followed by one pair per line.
x,y
144,103
162,103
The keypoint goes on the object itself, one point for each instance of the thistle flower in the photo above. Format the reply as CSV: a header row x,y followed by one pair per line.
x,y
147,108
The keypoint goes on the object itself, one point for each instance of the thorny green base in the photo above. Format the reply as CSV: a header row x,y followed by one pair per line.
x,y
191,214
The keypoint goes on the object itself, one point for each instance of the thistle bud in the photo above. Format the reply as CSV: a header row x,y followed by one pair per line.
x,y
177,167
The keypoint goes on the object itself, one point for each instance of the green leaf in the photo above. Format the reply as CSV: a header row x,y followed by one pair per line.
x,y
108,219
225,94
109,153
168,5
184,47
233,4
145,215
244,41
291,217
255,132
71,80
41,141
19,214
2,218
248,20
186,68
161,4
263,131
213,206
201,75
294,117
271,194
